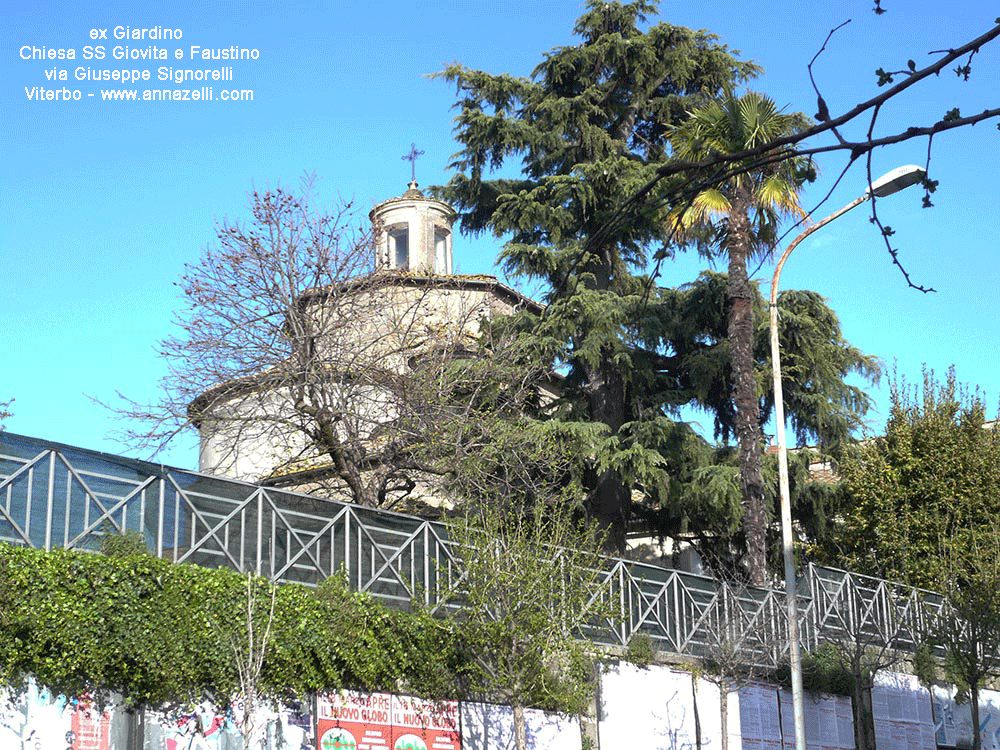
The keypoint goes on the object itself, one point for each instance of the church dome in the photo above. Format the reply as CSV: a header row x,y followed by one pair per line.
x,y
414,233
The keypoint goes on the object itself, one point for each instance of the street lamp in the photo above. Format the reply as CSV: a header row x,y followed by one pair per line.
x,y
887,184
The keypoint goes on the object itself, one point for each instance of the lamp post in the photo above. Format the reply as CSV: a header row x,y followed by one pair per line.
x,y
889,183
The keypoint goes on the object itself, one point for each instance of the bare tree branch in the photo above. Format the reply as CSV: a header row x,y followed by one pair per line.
x,y
688,178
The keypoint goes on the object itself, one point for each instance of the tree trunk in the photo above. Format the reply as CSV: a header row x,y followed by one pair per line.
x,y
864,715
697,715
135,728
977,737
520,728
610,498
746,400
724,712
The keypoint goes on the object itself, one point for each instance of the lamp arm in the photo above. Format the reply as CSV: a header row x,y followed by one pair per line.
x,y
794,243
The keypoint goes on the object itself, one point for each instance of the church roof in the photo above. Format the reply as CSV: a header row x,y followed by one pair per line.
x,y
412,193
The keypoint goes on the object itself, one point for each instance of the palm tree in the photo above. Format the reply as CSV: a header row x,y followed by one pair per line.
x,y
739,217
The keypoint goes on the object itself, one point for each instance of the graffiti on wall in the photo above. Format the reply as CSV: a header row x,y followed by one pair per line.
x,y
34,719
953,719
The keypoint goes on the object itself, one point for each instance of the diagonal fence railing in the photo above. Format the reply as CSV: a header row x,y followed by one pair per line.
x,y
53,495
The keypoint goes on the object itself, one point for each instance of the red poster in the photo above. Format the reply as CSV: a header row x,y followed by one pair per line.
x,y
354,721
89,728
358,721
424,725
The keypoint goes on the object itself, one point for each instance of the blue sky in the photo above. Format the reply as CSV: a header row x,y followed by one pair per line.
x,y
104,202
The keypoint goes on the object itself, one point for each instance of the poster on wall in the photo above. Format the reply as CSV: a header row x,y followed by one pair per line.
x,y
34,719
828,718
204,727
654,708
424,725
197,727
953,720
902,708
759,718
349,720
489,726
380,721
89,728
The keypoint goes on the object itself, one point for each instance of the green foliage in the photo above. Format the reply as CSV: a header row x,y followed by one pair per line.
x,y
966,633
744,210
922,506
93,624
492,434
122,544
925,664
162,633
703,496
823,671
816,360
933,476
737,216
641,651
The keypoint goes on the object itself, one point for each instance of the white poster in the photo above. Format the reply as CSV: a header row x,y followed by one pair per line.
x,y
37,720
828,719
902,708
654,709
203,727
199,727
759,718
34,720
487,726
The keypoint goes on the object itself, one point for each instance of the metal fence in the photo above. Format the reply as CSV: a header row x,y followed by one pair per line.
x,y
54,495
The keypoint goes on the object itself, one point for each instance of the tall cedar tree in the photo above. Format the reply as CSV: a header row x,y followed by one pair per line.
x,y
591,126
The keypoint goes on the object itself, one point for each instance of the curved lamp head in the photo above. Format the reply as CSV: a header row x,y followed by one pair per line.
x,y
896,180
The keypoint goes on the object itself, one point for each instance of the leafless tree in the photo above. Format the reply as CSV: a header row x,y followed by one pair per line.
x,y
248,646
302,363
531,583
743,641
746,639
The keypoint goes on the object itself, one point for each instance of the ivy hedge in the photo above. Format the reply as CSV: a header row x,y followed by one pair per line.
x,y
162,633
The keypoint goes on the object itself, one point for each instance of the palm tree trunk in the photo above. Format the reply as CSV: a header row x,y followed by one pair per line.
x,y
745,397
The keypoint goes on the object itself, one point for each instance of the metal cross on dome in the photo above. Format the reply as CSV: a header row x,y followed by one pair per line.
x,y
412,158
